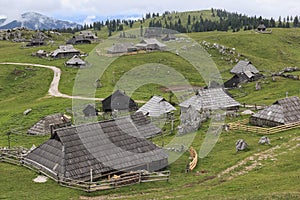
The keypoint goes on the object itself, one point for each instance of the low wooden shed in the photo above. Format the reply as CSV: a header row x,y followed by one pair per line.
x,y
119,101
283,111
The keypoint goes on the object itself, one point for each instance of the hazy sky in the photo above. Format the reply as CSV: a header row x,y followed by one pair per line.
x,y
69,9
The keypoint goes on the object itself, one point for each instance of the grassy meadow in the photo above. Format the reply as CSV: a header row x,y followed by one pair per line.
x,y
276,177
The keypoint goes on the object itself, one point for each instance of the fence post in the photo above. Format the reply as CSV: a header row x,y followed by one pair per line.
x,y
140,177
58,178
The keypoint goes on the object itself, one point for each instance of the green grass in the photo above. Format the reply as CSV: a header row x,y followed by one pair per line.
x,y
268,52
267,178
25,188
125,63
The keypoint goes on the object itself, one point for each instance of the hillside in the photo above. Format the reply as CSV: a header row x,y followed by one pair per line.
x,y
270,53
197,21
275,177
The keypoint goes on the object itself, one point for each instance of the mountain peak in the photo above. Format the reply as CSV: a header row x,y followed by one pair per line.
x,y
31,15
35,21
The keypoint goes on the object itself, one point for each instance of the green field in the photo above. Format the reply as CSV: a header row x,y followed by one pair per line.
x,y
276,177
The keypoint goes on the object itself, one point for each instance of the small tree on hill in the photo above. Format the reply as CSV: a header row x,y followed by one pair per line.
x,y
296,21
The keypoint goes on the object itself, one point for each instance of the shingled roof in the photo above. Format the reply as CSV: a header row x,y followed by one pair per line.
x,y
119,48
88,34
118,101
90,111
261,27
65,51
114,145
283,111
156,107
144,125
210,99
244,66
79,39
236,80
75,61
151,44
42,127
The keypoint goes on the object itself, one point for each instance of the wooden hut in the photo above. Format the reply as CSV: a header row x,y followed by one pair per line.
x,y
235,81
156,106
36,42
41,53
283,111
244,66
65,51
210,99
90,111
118,101
244,71
42,127
96,149
89,35
151,44
75,61
261,28
120,48
79,39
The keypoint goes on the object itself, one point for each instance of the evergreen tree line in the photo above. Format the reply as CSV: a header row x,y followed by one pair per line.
x,y
220,20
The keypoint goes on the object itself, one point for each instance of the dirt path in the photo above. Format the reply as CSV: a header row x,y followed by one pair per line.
x,y
257,159
53,89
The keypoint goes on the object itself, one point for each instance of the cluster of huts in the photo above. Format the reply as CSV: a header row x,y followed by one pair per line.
x,y
65,51
121,144
118,144
147,44
115,145
68,50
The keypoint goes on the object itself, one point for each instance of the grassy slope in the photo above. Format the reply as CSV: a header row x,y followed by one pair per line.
x,y
267,52
265,181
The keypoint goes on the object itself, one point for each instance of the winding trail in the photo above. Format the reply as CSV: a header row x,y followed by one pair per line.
x,y
53,89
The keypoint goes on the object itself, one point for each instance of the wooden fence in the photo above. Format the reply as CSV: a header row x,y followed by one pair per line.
x,y
242,125
108,181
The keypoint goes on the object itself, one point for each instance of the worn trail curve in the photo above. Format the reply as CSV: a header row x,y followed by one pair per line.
x,y
53,89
